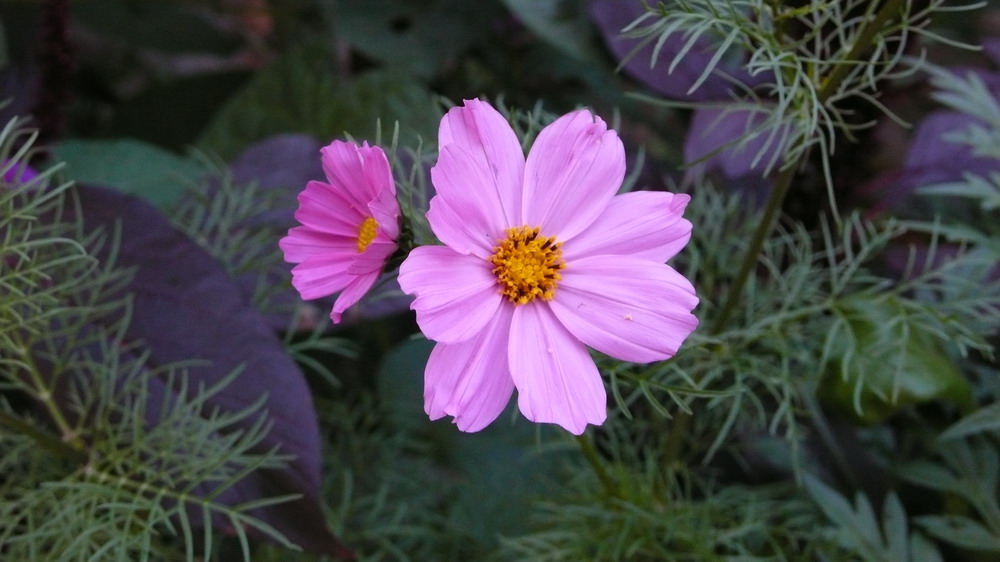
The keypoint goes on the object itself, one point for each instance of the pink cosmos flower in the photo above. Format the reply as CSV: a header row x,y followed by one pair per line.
x,y
349,226
540,260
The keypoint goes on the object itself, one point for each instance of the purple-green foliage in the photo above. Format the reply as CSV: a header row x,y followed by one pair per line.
x,y
387,59
186,308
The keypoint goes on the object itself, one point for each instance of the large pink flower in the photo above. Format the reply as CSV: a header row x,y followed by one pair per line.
x,y
349,226
541,259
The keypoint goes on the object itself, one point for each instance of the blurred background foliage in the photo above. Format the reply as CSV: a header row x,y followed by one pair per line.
x,y
845,409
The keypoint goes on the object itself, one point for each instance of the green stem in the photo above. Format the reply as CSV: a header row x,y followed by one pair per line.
x,y
834,79
44,440
590,453
760,235
675,437
43,394
784,181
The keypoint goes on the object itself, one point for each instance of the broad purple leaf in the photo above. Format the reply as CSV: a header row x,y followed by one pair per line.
x,y
282,164
17,87
714,142
991,48
930,159
611,16
931,147
186,307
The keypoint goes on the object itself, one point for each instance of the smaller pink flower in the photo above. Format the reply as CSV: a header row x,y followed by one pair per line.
x,y
349,226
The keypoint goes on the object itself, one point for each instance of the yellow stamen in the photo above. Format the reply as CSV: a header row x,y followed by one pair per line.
x,y
527,265
366,233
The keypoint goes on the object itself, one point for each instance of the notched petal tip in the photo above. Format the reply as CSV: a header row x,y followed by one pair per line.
x,y
470,380
574,168
557,381
352,294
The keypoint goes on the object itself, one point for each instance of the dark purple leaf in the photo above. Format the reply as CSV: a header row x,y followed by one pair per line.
x,y
186,307
282,164
931,159
991,48
611,16
713,142
930,147
17,87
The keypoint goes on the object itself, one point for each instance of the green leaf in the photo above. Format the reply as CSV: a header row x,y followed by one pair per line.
x,y
880,360
503,469
923,549
561,23
960,531
933,476
894,527
985,419
298,93
414,38
834,505
129,165
856,530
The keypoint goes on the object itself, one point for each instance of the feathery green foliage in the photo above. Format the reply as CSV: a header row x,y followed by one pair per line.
x,y
89,472
815,59
818,369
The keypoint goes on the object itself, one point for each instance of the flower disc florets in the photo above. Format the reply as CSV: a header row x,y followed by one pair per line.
x,y
366,233
527,265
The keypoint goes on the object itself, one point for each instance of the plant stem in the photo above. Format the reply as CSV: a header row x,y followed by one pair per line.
x,y
783,183
863,43
827,88
760,235
44,440
40,390
590,453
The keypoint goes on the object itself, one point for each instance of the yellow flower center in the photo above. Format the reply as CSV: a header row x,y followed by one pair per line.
x,y
527,265
366,233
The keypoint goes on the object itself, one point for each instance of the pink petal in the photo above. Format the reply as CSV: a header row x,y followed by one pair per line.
x,y
461,235
456,294
323,275
358,173
573,170
485,137
470,380
352,293
642,224
378,172
468,187
303,243
323,208
629,308
385,210
373,258
556,380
